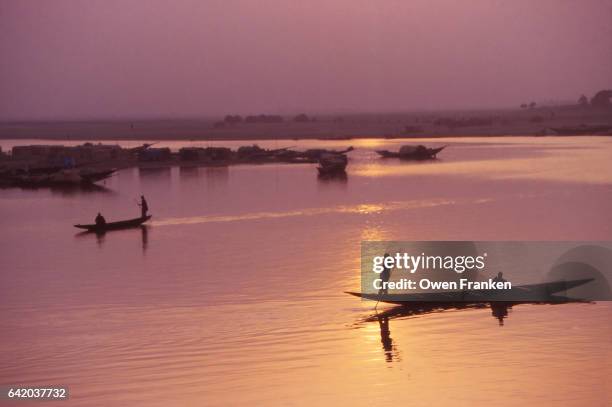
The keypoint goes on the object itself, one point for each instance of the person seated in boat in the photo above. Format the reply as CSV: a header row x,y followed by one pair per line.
x,y
100,221
385,275
144,207
499,278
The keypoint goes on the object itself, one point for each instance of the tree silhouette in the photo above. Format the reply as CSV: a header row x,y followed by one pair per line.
x,y
602,99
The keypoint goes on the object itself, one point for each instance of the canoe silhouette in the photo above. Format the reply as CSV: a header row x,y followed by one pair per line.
x,y
419,152
523,293
122,224
332,164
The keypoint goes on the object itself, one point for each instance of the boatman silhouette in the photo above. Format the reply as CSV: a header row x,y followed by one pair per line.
x,y
384,276
499,278
100,221
144,207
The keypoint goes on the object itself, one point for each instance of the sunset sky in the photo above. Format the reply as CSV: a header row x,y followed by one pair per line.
x,y
114,59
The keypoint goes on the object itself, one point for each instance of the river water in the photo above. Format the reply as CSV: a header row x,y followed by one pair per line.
x,y
234,294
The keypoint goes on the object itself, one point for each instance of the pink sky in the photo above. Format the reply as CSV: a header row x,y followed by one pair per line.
x,y
111,59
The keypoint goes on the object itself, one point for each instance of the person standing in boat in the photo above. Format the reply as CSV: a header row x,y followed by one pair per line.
x,y
385,276
100,221
499,278
144,207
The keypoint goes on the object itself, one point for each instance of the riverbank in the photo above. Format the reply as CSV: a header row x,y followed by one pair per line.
x,y
526,122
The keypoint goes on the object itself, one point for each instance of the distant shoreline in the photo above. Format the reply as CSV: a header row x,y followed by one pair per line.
x,y
264,138
525,123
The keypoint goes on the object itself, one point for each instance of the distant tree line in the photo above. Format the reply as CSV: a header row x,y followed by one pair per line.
x,y
230,120
261,118
303,118
463,122
531,105
602,99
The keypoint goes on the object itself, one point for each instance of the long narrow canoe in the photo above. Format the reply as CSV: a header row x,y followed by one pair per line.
x,y
531,292
122,224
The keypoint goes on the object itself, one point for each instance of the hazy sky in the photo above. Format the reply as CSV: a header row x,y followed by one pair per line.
x,y
89,59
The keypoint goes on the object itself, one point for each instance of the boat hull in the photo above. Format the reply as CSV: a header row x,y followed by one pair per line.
x,y
123,224
426,154
332,164
525,293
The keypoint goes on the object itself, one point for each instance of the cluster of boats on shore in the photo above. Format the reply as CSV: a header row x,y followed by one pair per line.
x,y
45,171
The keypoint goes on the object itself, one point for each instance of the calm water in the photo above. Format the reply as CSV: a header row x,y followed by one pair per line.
x,y
233,295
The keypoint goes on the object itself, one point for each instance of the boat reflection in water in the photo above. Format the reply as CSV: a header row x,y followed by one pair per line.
x,y
391,352
340,177
100,236
499,311
67,190
145,238
217,176
189,172
155,175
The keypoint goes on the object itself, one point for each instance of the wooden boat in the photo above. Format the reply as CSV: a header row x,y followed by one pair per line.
x,y
319,153
524,293
64,177
419,152
122,224
330,163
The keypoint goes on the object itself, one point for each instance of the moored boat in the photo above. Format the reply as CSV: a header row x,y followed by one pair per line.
x,y
419,152
53,177
525,293
332,164
122,224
